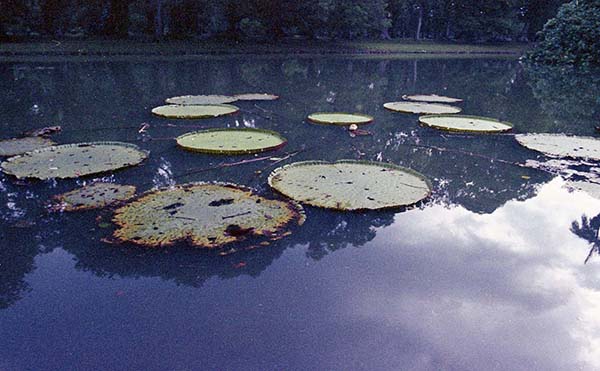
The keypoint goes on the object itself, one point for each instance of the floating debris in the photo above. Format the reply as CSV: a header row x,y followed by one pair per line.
x,y
429,108
18,146
208,215
350,185
256,96
463,123
560,145
339,118
93,196
432,98
195,111
200,99
74,160
231,141
43,132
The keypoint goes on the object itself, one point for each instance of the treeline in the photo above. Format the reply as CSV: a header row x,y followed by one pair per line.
x,y
466,20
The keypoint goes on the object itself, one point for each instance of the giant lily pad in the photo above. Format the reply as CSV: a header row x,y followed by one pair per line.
x,y
559,145
350,185
461,123
592,189
74,160
256,96
93,196
18,146
432,98
200,111
205,215
412,107
339,118
231,141
200,99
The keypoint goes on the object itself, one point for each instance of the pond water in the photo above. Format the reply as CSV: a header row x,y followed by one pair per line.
x,y
489,273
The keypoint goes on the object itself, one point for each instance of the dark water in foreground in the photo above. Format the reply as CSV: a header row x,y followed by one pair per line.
x,y
488,274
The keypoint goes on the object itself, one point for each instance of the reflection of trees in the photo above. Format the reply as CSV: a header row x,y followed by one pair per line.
x,y
588,229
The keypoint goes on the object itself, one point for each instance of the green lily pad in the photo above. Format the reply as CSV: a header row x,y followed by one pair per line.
x,y
200,111
560,145
412,107
462,123
432,98
74,160
350,185
339,118
204,215
186,100
18,146
256,96
231,141
93,196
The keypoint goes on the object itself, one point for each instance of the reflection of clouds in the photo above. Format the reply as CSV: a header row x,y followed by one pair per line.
x,y
164,174
506,290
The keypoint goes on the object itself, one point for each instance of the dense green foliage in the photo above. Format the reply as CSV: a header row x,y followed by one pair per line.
x,y
486,20
573,37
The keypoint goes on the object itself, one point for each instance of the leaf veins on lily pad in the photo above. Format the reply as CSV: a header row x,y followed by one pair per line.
x,y
200,99
231,141
208,215
18,146
350,185
339,118
416,107
200,111
463,123
74,160
93,196
560,145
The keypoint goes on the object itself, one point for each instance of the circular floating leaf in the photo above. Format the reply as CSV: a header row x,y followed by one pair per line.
x,y
559,145
194,112
432,98
231,141
350,185
18,146
257,96
74,160
411,107
93,196
339,118
205,215
200,99
460,123
592,189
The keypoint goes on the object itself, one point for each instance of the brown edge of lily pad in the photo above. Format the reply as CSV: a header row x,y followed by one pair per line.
x,y
450,115
183,117
234,152
345,161
297,212
369,118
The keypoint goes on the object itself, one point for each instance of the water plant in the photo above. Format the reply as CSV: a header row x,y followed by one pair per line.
x,y
200,111
92,196
18,146
464,123
560,145
417,107
432,98
231,141
339,118
200,99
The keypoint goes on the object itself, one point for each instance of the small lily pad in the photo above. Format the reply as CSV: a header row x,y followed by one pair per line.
x,y
209,215
231,141
73,160
560,145
432,98
200,111
462,123
186,100
592,189
339,118
429,108
350,185
93,196
18,146
256,96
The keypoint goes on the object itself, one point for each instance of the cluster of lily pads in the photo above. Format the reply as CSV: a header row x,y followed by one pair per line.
x,y
216,215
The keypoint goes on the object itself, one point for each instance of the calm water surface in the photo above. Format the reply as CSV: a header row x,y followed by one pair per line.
x,y
488,274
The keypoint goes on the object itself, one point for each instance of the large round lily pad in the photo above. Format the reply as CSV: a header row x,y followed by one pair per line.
x,y
560,145
74,160
93,196
256,96
204,215
200,99
231,141
200,111
339,118
462,123
415,107
17,146
432,98
350,185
